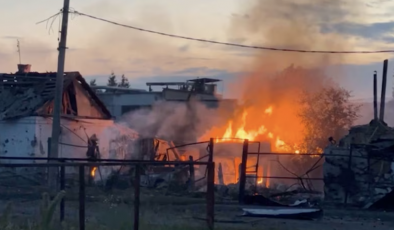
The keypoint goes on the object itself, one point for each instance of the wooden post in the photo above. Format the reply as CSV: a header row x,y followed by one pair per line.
x,y
383,95
192,174
82,197
211,143
57,104
211,195
137,184
220,174
375,96
62,188
242,179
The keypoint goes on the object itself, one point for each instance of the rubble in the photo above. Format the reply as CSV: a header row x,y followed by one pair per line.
x,y
360,171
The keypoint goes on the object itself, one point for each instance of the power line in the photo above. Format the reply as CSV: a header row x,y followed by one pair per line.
x,y
230,44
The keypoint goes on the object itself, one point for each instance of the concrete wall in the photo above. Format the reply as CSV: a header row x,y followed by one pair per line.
x,y
114,102
18,138
29,137
364,182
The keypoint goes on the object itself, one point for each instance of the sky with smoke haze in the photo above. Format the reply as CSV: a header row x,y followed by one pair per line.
x,y
97,48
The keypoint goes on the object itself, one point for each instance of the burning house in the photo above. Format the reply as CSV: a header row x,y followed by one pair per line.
x,y
26,109
87,127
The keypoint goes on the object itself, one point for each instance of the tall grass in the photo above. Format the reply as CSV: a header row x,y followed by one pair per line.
x,y
47,210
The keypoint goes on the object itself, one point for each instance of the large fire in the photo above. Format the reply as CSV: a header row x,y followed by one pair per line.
x,y
262,125
259,133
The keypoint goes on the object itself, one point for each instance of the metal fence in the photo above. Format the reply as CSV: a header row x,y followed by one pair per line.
x,y
356,178
82,184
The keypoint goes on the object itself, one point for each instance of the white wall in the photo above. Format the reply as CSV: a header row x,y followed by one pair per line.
x,y
75,133
29,136
18,138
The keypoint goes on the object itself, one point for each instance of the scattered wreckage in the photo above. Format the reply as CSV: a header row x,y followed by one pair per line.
x,y
153,176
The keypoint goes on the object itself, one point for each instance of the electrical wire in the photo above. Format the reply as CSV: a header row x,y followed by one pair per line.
x,y
227,43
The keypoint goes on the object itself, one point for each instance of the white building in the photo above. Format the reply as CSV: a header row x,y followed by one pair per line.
x,y
123,100
26,105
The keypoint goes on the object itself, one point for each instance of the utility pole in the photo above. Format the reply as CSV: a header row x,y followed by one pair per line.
x,y
54,148
19,51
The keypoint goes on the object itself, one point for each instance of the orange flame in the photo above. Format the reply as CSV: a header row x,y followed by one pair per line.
x,y
93,172
241,132
261,132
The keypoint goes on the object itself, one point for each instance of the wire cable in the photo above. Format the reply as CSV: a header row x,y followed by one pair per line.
x,y
230,44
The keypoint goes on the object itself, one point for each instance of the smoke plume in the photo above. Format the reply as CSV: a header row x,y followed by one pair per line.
x,y
171,120
277,78
294,24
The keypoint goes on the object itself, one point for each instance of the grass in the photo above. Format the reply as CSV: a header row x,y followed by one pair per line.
x,y
157,213
109,216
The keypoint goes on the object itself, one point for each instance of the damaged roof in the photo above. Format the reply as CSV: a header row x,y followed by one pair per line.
x,y
32,94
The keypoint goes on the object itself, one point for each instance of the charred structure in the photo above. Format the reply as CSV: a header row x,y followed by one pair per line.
x,y
360,169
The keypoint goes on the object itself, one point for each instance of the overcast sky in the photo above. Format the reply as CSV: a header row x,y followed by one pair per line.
x,y
97,48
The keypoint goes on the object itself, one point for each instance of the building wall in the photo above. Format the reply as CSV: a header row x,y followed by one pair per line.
x,y
118,103
357,174
29,137
85,105
170,94
18,138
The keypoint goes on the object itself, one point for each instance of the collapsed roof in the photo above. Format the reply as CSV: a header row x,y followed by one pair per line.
x,y
33,93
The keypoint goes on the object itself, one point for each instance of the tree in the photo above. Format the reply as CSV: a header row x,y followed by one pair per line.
x,y
326,113
112,80
93,82
124,82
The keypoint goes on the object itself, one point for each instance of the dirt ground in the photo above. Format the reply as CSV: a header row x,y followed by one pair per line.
x,y
188,212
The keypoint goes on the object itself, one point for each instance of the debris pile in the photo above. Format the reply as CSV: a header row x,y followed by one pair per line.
x,y
360,170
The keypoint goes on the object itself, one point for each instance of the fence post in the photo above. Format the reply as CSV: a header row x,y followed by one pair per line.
x,y
211,195
191,171
242,177
62,188
48,157
49,146
349,171
82,197
220,174
210,158
137,184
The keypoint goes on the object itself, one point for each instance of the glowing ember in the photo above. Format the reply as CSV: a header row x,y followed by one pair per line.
x,y
93,172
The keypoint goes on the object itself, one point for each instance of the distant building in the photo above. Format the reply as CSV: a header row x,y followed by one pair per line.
x,y
120,101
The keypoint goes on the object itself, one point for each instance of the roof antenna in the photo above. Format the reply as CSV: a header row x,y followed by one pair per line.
x,y
19,51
